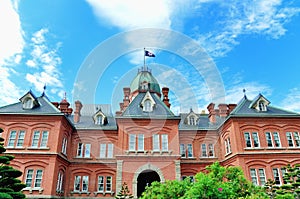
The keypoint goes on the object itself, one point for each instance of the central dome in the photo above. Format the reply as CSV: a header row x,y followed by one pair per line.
x,y
144,80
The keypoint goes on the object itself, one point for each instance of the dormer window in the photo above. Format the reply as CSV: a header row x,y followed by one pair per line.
x,y
262,106
192,120
99,120
28,103
148,103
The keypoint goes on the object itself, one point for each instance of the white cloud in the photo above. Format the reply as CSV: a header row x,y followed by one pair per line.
x,y
245,18
45,60
292,100
12,44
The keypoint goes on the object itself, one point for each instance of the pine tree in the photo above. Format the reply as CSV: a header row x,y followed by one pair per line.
x,y
10,186
124,193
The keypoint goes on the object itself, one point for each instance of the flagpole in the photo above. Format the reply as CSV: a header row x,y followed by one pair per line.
x,y
144,60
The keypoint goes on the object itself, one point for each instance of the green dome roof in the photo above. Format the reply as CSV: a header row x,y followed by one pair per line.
x,y
145,77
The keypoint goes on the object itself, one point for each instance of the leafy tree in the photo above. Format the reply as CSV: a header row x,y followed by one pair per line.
x,y
170,189
124,193
10,186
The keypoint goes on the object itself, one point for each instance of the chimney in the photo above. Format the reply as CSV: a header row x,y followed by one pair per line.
x,y
56,104
126,100
165,92
121,106
212,113
64,107
231,107
223,110
77,114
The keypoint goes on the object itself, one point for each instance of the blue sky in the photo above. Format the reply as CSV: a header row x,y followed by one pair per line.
x,y
252,45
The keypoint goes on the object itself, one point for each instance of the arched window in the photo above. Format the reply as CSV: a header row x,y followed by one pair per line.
x,y
27,103
60,182
192,120
262,106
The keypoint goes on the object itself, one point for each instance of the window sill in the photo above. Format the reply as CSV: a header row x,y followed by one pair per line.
x,y
86,158
38,148
161,152
228,154
104,193
207,157
30,189
80,193
15,148
188,158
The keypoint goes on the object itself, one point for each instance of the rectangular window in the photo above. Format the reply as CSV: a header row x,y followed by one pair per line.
x,y
87,152
131,142
247,139
190,150
102,150
164,142
253,176
100,183
276,139
60,178
262,177
38,178
44,139
155,142
269,139
255,139
182,151
85,183
210,150
12,139
227,146
296,138
140,142
35,139
29,177
77,183
20,140
108,184
80,150
64,146
203,150
276,176
289,139
110,150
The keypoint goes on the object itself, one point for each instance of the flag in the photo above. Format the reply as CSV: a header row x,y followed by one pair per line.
x,y
149,54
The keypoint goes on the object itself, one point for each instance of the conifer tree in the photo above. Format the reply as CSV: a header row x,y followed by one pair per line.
x,y
124,193
10,186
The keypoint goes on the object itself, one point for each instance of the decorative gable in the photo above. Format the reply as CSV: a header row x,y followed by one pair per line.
x,y
29,101
100,118
260,103
192,118
148,103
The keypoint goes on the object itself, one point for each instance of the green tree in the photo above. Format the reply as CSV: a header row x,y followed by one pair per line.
x,y
10,186
124,193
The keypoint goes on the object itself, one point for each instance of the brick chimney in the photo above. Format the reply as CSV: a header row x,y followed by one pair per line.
x,y
64,107
56,104
212,113
231,107
223,110
165,92
77,114
126,100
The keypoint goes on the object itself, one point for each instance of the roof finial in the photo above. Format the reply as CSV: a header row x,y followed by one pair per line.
x,y
43,94
65,95
244,91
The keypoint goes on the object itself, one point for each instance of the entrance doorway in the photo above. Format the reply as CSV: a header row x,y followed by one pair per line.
x,y
144,179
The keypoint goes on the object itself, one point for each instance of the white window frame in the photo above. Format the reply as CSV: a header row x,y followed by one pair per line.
x,y
227,146
182,151
164,142
155,142
271,138
64,146
140,144
60,181
293,139
85,182
29,177
12,139
20,140
189,149
203,150
100,184
132,142
38,178
44,139
108,184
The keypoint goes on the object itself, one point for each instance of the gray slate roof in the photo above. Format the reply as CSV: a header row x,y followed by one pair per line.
x,y
203,122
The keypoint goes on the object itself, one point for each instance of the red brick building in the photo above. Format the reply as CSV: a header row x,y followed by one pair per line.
x,y
89,152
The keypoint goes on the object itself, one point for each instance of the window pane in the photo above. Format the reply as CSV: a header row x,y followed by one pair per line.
x,y
182,150
276,176
102,150
247,139
38,178
255,139
64,146
77,183
155,141
253,176
87,152
276,139
210,150
85,183
140,142
35,139
289,139
100,183
28,180
12,138
203,150
110,150
164,142
21,139
108,183
79,150
131,142
296,138
190,150
44,139
269,139
262,177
